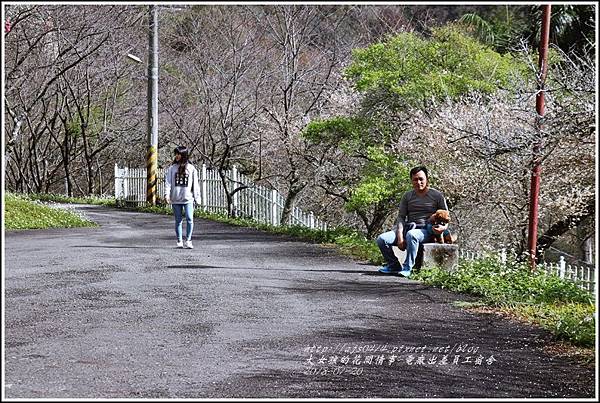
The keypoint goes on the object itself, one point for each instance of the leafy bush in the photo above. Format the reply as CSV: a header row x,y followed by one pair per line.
x,y
384,180
497,282
414,69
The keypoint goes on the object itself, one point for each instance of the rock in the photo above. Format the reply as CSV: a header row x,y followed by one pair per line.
x,y
440,255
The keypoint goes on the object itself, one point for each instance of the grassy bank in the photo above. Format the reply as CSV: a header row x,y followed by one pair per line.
x,y
548,301
23,212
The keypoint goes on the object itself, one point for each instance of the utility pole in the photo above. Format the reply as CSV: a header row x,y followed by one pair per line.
x,y
152,153
537,146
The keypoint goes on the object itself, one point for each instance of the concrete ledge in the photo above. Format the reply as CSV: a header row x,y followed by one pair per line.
x,y
440,255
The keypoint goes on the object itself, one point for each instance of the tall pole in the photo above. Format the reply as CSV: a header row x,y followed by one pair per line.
x,y
537,146
152,152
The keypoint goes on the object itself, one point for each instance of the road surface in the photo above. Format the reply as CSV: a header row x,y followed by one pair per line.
x,y
119,312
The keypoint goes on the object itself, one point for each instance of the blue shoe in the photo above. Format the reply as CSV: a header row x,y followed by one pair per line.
x,y
385,269
405,273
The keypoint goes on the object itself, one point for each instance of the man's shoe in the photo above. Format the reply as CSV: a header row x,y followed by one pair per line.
x,y
180,244
188,245
387,270
405,273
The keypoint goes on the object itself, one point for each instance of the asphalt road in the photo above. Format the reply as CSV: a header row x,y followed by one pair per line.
x,y
119,312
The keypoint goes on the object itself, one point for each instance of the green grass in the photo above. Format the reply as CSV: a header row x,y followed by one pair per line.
x,y
58,198
548,301
24,213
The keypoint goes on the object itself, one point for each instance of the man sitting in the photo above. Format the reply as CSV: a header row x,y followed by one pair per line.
x,y
416,206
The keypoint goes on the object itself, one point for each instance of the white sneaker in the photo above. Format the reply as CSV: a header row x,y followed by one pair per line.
x,y
180,244
188,245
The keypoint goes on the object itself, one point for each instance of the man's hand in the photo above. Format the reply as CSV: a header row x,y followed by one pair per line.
x,y
400,242
439,229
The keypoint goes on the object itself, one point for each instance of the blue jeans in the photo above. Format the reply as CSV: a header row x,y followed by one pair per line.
x,y
413,238
178,209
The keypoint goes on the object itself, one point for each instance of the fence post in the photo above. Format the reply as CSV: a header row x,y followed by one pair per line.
x,y
234,177
117,182
503,255
274,207
203,187
125,182
312,220
561,266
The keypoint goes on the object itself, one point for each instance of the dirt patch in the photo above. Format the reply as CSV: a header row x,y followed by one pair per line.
x,y
583,355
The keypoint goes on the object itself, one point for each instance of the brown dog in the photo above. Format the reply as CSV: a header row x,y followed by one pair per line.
x,y
440,217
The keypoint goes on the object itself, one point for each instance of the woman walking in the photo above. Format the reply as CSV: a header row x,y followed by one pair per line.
x,y
182,190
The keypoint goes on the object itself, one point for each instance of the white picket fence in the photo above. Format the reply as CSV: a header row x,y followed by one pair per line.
x,y
257,202
584,276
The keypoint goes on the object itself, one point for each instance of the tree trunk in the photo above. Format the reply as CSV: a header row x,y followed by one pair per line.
x,y
68,181
286,214
561,227
587,249
376,225
228,194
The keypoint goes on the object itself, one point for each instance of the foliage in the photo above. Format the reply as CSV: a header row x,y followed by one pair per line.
x,y
381,176
384,179
375,183
502,30
491,138
23,213
505,28
556,304
410,70
348,133
398,77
